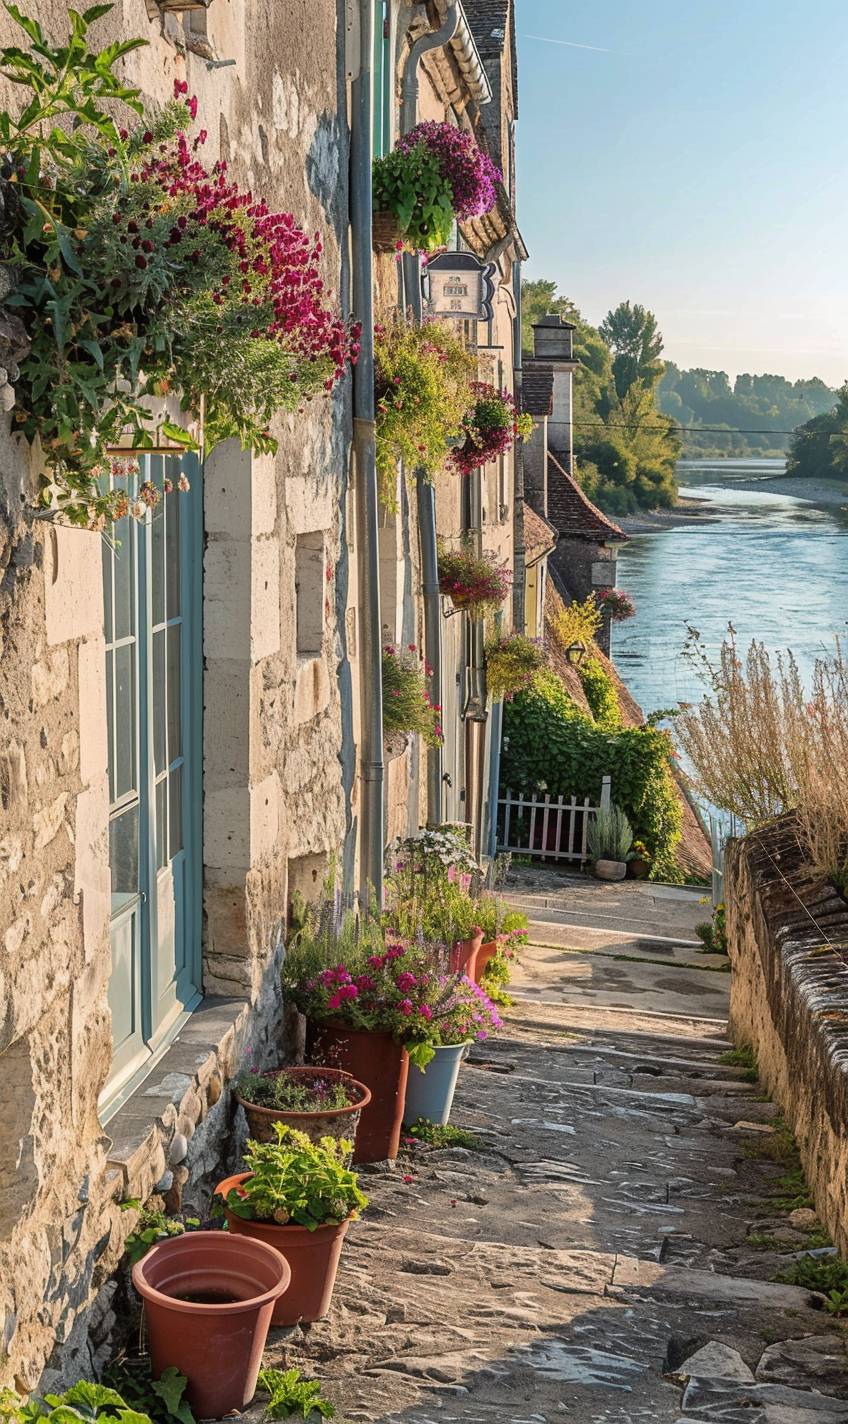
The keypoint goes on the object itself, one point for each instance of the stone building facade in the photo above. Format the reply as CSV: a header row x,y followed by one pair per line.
x,y
129,999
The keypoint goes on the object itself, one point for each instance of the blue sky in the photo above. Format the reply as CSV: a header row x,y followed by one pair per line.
x,y
694,160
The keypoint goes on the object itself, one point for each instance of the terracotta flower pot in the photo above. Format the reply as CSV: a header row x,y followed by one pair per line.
x,y
208,1302
463,955
333,1122
385,232
313,1257
382,1064
485,954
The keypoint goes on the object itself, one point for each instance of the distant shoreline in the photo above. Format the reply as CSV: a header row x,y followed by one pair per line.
x,y
830,494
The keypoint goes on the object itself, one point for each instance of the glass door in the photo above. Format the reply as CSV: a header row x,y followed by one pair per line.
x,y
152,594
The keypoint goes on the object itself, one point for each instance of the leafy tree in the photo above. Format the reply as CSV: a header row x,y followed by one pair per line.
x,y
767,404
635,340
819,448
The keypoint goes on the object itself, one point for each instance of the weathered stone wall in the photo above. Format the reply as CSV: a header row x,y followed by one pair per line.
x,y
787,935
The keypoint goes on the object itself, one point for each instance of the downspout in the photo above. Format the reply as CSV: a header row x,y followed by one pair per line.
x,y
365,473
519,612
425,492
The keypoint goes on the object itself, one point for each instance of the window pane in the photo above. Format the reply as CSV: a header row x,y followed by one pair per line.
x,y
161,823
124,713
123,854
157,563
124,560
174,690
106,550
173,514
176,811
110,726
160,748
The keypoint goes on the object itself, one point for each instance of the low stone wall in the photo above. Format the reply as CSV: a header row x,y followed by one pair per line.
x,y
788,939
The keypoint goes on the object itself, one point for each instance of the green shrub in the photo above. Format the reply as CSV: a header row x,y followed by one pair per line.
x,y
550,744
609,836
601,694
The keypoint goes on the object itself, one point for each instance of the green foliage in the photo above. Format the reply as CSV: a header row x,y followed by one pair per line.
x,y
294,1180
406,701
819,448
825,1274
422,390
609,836
743,1057
601,694
291,1394
162,1400
577,622
437,1134
713,933
632,334
297,1092
411,186
495,978
550,744
511,661
88,1403
152,1226
765,403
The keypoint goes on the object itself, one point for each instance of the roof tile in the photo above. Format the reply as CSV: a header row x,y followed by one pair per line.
x,y
571,512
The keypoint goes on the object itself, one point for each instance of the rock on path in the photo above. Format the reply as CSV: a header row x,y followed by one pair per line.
x,y
593,1261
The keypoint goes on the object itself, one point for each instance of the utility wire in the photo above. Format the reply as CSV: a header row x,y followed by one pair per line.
x,y
674,428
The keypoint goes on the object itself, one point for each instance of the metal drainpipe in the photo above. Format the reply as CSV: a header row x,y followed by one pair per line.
x,y
425,492
519,611
365,464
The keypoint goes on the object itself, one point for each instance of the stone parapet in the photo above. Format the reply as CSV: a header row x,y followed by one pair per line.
x,y
788,938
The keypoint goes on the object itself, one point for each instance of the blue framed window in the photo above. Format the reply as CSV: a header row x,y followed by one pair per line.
x,y
152,619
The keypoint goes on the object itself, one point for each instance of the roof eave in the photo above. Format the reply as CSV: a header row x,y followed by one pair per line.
x,y
467,55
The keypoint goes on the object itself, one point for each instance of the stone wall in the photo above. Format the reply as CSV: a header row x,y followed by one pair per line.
x,y
787,934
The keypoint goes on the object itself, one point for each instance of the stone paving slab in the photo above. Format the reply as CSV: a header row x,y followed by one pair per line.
x,y
552,973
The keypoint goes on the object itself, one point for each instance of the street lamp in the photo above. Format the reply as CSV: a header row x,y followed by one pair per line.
x,y
576,652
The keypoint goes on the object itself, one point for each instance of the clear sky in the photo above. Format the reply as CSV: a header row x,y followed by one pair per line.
x,y
694,160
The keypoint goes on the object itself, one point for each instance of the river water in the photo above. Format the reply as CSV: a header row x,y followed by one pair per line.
x,y
774,566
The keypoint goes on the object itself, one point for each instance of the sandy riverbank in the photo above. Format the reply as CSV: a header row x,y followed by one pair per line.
x,y
826,494
685,511
832,494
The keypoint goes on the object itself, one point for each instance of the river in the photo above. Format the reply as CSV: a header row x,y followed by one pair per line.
x,y
774,566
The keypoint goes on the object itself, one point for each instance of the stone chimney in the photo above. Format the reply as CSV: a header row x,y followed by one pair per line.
x,y
553,343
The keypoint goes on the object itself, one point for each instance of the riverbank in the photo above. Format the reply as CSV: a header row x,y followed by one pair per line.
x,y
825,494
830,494
687,510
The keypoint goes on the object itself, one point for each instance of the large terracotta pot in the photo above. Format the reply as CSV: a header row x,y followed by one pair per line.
x,y
313,1257
485,954
208,1301
378,1061
335,1122
463,955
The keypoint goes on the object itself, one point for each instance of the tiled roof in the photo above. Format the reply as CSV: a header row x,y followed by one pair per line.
x,y
537,388
539,536
572,513
489,21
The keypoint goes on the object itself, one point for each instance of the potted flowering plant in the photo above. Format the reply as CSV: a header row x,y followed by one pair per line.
x,y
434,174
321,1102
428,884
421,382
474,582
406,701
299,1197
490,427
511,663
617,605
470,1017
163,279
508,931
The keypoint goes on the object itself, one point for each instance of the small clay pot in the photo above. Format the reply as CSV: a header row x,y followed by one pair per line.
x,y
382,1064
385,232
463,955
208,1302
610,869
313,1257
485,955
637,868
333,1122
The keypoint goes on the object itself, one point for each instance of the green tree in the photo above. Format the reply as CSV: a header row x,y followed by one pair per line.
x,y
635,340
819,448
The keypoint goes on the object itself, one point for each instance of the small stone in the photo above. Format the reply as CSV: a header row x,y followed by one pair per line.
x,y
762,1127
426,1268
716,1361
165,1182
178,1149
802,1218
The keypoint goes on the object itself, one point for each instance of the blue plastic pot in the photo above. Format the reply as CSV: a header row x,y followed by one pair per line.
x,y
430,1090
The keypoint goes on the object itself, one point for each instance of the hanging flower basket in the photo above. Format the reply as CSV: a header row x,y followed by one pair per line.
x,y
435,174
511,664
490,427
617,605
474,582
406,702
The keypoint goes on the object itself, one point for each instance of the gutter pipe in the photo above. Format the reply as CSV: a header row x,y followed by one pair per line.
x,y
365,468
425,493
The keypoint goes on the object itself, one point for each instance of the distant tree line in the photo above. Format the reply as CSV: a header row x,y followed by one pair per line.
x,y
770,404
819,447
625,447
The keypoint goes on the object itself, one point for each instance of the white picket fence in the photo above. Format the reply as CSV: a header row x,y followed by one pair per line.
x,y
548,827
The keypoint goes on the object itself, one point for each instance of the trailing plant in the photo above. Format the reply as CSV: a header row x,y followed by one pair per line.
x,y
511,661
143,274
422,382
618,606
490,427
474,582
162,1400
434,174
550,744
609,836
826,1275
601,694
577,622
152,1226
713,933
289,1393
294,1181
286,1092
406,701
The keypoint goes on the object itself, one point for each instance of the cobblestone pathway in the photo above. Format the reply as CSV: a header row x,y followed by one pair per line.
x,y
609,1254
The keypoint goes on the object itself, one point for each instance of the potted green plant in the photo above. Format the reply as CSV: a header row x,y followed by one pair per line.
x,y
321,1102
299,1197
608,840
434,174
477,583
639,861
428,890
208,1302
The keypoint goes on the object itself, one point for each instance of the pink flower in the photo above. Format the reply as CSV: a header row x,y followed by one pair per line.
x,y
376,961
407,1179
426,1012
405,1007
406,981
